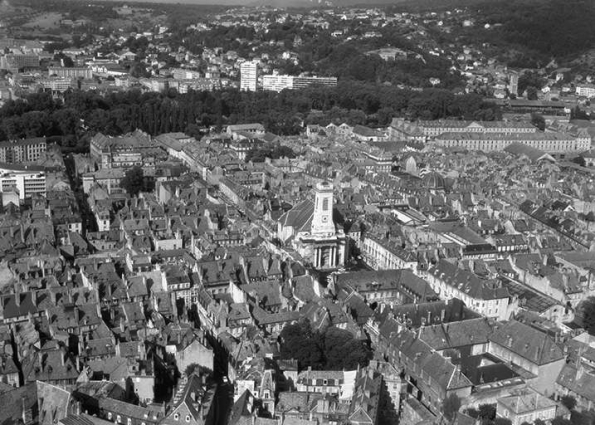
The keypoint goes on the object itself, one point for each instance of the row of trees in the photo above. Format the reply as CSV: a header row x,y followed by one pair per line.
x,y
333,349
281,113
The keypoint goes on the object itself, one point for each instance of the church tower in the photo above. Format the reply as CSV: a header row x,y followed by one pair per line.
x,y
322,220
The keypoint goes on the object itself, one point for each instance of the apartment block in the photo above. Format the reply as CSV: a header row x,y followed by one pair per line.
x,y
25,150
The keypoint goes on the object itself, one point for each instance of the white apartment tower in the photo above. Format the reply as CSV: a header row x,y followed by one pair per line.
x,y
249,76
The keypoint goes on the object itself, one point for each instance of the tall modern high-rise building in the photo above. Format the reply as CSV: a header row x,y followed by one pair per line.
x,y
513,83
249,76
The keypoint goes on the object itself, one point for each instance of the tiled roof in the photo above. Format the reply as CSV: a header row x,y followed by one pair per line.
x,y
577,381
456,334
299,217
382,280
468,282
528,401
441,370
527,342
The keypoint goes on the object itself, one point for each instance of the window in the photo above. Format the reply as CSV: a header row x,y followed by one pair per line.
x,y
118,419
325,204
129,421
187,418
176,416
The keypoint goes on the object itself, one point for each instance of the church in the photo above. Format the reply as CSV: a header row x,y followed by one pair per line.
x,y
310,229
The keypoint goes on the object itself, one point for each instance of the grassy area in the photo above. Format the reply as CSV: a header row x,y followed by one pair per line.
x,y
45,21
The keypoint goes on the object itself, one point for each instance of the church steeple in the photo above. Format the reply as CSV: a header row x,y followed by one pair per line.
x,y
322,221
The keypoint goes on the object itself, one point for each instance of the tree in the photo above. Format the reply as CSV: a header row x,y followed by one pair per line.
x,y
538,121
334,349
587,308
133,181
343,351
451,406
561,421
568,401
531,93
487,411
300,343
198,369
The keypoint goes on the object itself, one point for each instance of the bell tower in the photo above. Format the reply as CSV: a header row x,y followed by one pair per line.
x,y
322,220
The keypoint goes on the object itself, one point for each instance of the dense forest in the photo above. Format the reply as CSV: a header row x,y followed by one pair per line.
x,y
83,113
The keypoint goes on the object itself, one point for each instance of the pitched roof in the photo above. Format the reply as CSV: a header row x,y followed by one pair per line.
x,y
468,282
527,342
527,401
380,280
456,334
299,217
423,357
578,381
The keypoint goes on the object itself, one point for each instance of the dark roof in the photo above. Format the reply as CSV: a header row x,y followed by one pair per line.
x,y
527,342
530,152
457,334
371,281
299,217
468,282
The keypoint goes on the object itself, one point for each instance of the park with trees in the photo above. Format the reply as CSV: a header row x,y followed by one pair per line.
x,y
330,349
81,114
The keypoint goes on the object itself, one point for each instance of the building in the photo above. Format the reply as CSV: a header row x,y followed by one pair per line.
x,y
526,405
586,90
277,82
326,382
16,62
531,351
57,84
386,287
25,150
550,142
136,148
26,180
382,254
249,76
485,296
192,404
430,377
312,230
513,83
196,352
80,72
243,131
432,129
303,82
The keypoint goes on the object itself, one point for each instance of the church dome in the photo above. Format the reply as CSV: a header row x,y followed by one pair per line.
x,y
434,181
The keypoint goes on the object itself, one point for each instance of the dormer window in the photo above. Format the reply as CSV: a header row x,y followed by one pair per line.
x,y
187,418
176,416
